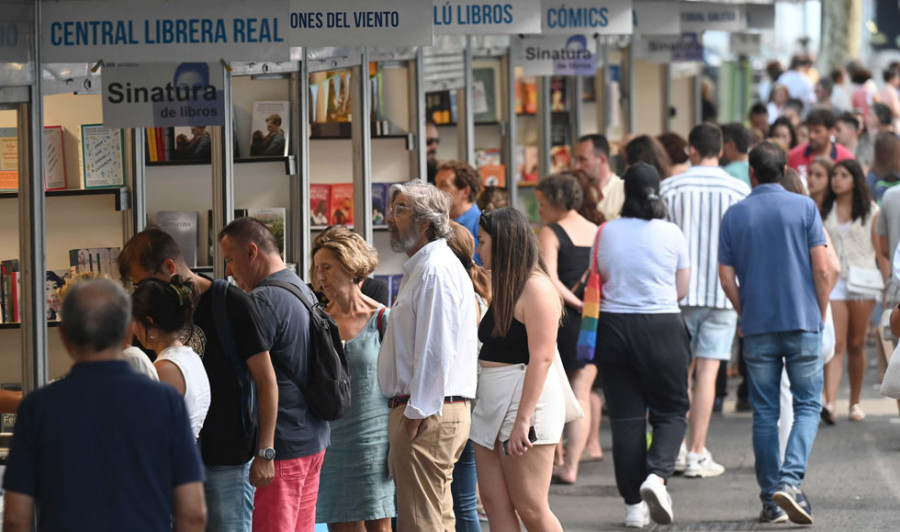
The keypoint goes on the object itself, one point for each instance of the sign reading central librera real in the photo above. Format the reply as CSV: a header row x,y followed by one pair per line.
x,y
163,94
360,23
607,17
150,30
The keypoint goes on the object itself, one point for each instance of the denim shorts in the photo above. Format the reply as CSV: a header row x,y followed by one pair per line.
x,y
712,331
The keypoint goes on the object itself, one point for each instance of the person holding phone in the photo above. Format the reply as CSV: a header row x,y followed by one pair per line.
x,y
520,410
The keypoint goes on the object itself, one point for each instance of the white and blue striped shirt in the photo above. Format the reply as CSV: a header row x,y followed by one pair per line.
x,y
697,201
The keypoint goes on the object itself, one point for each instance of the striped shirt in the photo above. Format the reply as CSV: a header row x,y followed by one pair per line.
x,y
696,201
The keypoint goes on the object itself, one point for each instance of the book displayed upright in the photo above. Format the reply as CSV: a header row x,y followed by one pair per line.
x,y
320,204
275,218
9,159
54,158
103,160
342,204
380,203
270,129
183,226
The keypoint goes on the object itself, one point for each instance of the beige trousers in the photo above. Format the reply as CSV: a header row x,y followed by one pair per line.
x,y
423,468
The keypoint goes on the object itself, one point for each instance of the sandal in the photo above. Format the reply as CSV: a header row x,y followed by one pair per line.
x,y
856,413
828,414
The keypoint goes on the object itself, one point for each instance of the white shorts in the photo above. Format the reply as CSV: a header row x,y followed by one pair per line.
x,y
499,393
842,293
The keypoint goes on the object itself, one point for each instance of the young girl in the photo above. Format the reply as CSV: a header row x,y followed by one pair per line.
x,y
849,217
818,178
161,311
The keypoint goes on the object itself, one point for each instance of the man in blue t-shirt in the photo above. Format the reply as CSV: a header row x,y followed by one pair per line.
x,y
773,267
105,448
251,256
463,183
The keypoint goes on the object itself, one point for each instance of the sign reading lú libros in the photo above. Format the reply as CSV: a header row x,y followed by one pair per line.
x,y
487,16
558,55
163,94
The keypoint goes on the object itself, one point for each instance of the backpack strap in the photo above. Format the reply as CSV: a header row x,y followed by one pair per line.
x,y
226,339
292,288
380,323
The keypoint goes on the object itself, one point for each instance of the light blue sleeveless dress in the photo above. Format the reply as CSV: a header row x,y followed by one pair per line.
x,y
354,484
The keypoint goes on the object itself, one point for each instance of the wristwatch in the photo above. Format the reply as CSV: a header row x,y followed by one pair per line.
x,y
268,453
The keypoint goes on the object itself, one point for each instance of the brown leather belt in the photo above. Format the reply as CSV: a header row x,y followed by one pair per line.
x,y
401,400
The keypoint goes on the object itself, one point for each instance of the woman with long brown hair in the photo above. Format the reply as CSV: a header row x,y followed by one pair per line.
x,y
521,407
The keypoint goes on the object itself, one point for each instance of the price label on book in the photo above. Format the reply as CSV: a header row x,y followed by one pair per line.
x,y
477,17
360,23
199,30
163,94
607,17
558,55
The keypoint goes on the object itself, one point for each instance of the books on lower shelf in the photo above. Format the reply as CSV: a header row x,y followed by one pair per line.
x,y
275,218
183,226
393,284
95,260
11,290
333,204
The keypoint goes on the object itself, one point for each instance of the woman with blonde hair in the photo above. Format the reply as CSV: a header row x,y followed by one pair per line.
x,y
356,461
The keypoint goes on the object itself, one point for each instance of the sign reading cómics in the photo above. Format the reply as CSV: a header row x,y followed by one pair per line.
x,y
199,30
360,23
485,17
163,94
558,55
608,17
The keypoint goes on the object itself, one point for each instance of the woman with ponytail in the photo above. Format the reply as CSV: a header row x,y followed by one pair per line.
x,y
642,344
161,311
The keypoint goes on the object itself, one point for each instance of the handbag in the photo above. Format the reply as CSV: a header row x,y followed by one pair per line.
x,y
890,384
864,281
587,336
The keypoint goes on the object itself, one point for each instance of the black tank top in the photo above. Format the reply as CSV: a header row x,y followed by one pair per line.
x,y
509,349
572,261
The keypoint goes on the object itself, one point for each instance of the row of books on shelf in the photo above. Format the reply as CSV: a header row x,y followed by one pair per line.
x,y
104,261
101,157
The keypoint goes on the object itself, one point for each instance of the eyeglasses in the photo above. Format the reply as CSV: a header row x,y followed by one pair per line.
x,y
485,221
397,208
433,140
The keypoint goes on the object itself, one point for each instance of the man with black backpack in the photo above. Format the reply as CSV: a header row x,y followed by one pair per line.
x,y
302,345
236,444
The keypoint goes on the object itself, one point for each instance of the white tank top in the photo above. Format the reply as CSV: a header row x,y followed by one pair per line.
x,y
196,384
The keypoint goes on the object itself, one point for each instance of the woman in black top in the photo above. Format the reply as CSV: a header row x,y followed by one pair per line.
x,y
566,248
520,411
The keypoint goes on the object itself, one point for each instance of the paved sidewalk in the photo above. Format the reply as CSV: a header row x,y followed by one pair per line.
x,y
853,482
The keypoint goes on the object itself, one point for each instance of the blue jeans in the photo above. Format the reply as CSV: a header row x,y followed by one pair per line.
x,y
465,496
229,498
801,354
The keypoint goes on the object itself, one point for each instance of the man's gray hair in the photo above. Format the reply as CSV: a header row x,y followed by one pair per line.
x,y
429,203
96,315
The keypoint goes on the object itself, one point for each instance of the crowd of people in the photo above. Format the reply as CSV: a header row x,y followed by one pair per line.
x,y
470,389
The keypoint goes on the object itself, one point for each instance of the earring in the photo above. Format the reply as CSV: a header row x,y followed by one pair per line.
x,y
151,335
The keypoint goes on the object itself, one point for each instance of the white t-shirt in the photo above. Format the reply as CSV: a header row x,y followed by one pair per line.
x,y
196,384
140,362
637,260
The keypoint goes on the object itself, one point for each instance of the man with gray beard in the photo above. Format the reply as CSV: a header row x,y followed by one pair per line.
x,y
427,364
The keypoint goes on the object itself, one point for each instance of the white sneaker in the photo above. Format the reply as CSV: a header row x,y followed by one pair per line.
x,y
637,516
702,466
681,460
658,500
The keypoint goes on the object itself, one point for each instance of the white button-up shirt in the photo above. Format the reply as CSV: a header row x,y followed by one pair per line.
x,y
430,347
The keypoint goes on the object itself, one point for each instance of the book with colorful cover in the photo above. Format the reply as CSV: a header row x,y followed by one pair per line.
x,y
102,150
320,205
380,192
55,280
342,204
493,175
54,159
275,218
394,283
9,159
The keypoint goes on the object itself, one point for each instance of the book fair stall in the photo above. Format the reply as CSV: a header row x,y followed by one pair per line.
x,y
115,115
